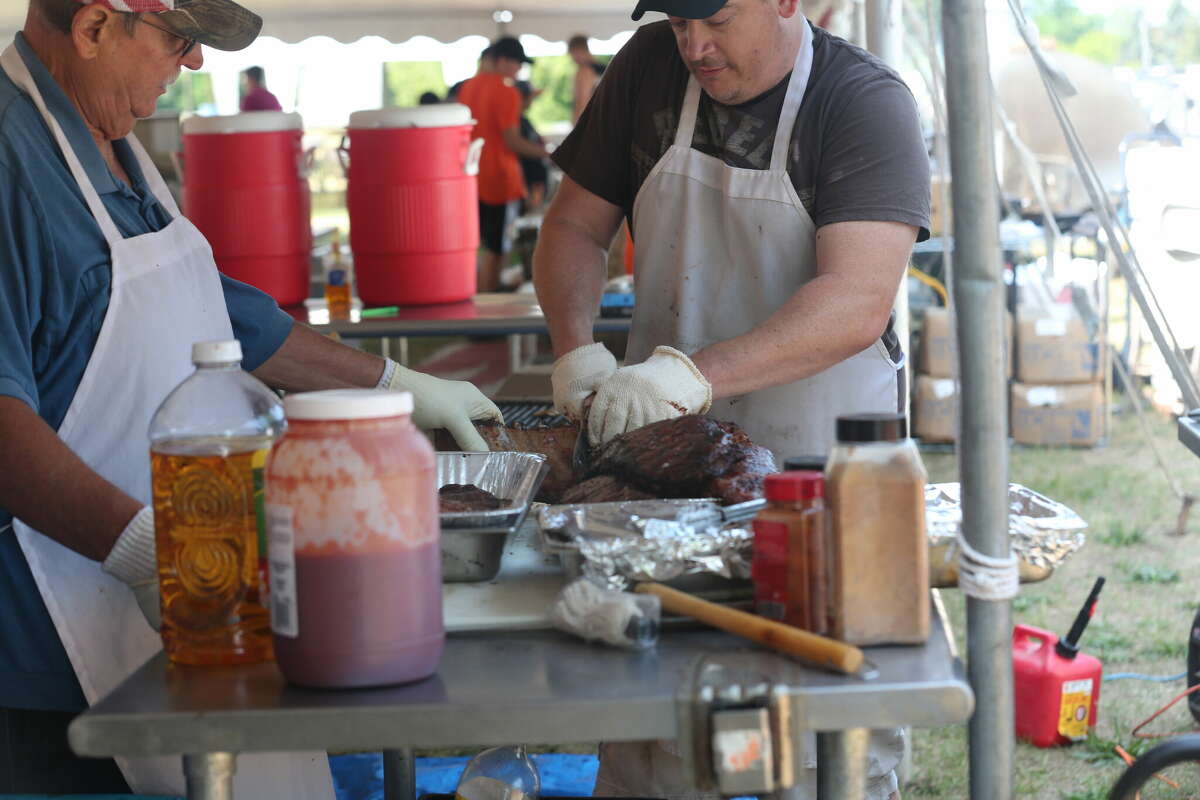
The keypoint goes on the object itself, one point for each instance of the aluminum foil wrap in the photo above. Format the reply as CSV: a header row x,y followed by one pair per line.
x,y
1043,532
618,544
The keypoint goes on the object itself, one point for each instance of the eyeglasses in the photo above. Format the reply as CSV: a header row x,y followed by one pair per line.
x,y
188,44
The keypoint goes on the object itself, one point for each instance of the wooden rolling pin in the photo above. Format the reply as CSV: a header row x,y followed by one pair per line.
x,y
818,650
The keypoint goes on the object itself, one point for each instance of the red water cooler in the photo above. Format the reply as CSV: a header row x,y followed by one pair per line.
x,y
245,186
413,202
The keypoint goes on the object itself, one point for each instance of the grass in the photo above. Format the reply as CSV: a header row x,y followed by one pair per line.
x,y
1141,623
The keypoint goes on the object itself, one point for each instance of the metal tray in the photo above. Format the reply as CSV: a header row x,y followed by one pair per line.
x,y
473,541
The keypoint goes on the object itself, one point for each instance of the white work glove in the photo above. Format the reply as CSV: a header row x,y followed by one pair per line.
x,y
664,386
577,374
132,562
445,404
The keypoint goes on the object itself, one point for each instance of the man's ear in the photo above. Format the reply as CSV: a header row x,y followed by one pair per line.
x,y
89,27
788,8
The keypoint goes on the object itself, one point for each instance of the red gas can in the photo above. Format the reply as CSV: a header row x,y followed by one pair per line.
x,y
1055,697
245,186
414,204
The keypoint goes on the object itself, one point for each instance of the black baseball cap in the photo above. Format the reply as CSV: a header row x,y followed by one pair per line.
x,y
510,47
688,9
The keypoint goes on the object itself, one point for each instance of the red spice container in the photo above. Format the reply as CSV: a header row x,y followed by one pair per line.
x,y
789,562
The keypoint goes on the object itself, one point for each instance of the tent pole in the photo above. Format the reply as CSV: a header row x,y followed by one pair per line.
x,y
983,441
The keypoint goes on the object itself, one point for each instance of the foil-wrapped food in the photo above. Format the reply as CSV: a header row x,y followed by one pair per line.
x,y
618,544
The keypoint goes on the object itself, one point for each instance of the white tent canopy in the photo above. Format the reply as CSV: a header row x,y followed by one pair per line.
x,y
400,20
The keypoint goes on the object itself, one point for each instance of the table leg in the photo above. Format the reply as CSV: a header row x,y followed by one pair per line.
x,y
842,764
399,774
514,353
209,775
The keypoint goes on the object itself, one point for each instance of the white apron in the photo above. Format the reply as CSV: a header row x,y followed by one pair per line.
x,y
166,294
720,249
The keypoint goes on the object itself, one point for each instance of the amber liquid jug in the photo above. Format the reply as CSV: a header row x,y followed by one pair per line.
x,y
209,442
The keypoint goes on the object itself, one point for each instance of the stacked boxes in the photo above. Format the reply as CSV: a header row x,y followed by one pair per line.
x,y
1058,398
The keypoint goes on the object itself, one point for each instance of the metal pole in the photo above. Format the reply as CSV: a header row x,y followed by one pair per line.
x,y
209,776
983,441
399,774
842,764
885,19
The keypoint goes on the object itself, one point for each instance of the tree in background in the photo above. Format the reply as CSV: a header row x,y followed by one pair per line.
x,y
554,75
405,81
192,92
1114,39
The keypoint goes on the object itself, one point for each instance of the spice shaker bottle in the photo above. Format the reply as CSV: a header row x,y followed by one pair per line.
x,y
875,483
356,578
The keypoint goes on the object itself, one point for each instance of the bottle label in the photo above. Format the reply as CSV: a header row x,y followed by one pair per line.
x,y
258,463
1074,709
285,617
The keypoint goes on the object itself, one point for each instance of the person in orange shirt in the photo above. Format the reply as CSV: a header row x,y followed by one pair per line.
x,y
496,106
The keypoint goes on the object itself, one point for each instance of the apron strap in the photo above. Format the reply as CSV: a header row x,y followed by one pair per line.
x,y
14,65
687,115
153,176
792,100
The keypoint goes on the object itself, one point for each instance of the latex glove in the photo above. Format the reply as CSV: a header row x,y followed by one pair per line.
x,y
439,403
664,386
576,375
132,561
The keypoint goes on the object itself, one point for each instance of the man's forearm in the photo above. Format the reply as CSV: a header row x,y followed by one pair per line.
x,y
308,361
49,488
568,273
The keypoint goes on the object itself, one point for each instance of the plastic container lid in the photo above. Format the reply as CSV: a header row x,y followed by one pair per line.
x,y
221,351
804,464
865,428
784,487
442,115
250,122
347,404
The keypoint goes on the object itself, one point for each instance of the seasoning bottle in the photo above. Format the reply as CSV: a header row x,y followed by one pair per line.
x,y
352,524
775,529
876,488
808,558
337,284
209,441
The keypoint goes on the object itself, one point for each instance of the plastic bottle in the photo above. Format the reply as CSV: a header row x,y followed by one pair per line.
x,y
500,773
208,443
353,525
875,483
337,285
790,561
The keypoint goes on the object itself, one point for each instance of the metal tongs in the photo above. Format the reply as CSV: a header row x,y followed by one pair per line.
x,y
581,455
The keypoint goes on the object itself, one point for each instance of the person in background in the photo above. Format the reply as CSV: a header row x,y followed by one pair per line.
x,y
532,169
255,95
104,287
486,66
587,73
429,99
496,107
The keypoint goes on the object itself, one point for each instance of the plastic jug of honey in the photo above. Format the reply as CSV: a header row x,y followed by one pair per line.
x,y
1057,688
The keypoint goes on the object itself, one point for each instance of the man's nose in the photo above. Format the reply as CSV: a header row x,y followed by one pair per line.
x,y
195,59
696,41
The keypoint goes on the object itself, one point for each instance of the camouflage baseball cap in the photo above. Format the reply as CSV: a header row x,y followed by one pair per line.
x,y
222,24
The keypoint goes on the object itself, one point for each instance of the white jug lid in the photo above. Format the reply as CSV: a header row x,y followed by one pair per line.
x,y
249,122
440,115
347,404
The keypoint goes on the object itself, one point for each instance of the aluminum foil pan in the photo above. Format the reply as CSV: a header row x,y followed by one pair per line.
x,y
472,542
618,544
1043,532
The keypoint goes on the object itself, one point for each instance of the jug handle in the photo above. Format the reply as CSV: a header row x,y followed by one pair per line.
x,y
1023,633
343,154
474,153
308,157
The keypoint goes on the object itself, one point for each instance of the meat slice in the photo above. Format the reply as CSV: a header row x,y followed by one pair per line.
x,y
455,497
555,442
672,458
603,489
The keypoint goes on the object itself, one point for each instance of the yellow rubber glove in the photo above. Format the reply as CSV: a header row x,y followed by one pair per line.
x,y
576,375
439,403
664,386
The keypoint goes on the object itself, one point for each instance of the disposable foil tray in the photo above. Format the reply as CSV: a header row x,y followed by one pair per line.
x,y
473,541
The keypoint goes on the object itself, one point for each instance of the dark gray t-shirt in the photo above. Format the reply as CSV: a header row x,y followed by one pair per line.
x,y
857,150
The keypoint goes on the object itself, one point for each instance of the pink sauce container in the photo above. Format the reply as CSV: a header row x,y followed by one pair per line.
x,y
353,539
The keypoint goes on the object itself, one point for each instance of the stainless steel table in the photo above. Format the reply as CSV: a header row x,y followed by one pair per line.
x,y
501,687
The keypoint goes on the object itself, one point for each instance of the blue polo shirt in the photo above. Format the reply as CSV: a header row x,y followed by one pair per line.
x,y
55,279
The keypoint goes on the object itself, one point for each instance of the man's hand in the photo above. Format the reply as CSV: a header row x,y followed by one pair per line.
x,y
664,386
446,404
576,376
132,561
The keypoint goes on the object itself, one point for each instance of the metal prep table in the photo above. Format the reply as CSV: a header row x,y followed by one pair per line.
x,y
504,686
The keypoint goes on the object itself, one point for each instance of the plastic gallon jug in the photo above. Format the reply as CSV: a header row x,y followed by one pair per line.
x,y
352,518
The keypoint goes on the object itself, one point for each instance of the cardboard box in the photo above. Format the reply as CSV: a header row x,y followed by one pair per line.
x,y
935,409
1062,414
1053,349
938,346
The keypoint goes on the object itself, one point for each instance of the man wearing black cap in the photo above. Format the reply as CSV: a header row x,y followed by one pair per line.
x,y
774,178
495,104
104,287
